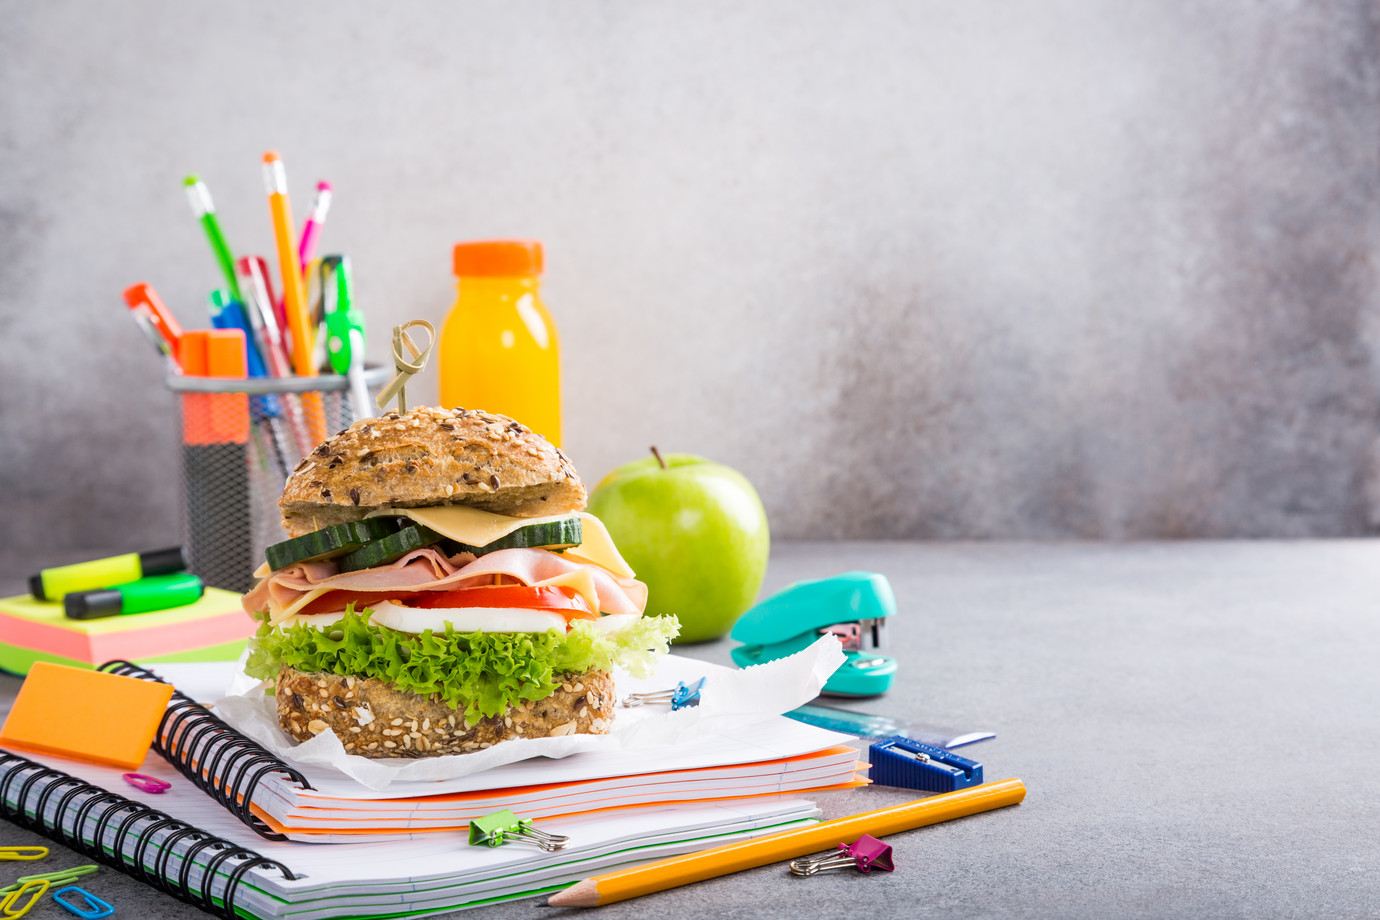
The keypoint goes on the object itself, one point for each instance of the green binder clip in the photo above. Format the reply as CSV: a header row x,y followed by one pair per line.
x,y
852,606
501,826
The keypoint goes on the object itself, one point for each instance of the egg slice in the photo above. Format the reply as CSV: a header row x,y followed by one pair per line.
x,y
466,619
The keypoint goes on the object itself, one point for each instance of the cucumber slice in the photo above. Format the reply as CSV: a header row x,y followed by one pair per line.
x,y
389,548
329,542
547,535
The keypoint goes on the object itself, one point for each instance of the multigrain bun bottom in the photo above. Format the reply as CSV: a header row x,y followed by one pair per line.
x,y
375,719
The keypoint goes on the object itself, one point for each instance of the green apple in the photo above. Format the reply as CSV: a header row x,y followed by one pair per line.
x,y
695,533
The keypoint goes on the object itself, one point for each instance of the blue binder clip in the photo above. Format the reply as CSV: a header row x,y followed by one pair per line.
x,y
909,764
682,696
853,606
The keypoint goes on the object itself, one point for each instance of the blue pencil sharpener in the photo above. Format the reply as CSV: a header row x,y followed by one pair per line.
x,y
853,606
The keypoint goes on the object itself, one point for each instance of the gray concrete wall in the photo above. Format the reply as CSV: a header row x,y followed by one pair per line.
x,y
919,269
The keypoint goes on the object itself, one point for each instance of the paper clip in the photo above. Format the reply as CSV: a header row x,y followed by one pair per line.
x,y
23,852
9,904
867,853
93,909
502,826
60,877
147,783
909,764
682,696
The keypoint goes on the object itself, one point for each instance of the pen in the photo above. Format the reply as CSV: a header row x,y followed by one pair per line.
x,y
144,301
265,409
53,583
275,183
156,592
199,196
748,854
253,274
315,219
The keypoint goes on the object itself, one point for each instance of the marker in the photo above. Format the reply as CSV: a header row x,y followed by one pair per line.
x,y
55,583
315,220
199,196
157,592
144,301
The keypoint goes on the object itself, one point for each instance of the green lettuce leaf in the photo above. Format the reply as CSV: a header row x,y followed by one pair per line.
x,y
483,673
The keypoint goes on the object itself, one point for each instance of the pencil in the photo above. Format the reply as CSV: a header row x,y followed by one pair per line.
x,y
749,854
294,295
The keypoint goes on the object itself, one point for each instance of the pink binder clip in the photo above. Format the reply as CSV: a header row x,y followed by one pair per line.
x,y
147,783
866,854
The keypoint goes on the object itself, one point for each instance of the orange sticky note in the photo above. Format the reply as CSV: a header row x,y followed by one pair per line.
x,y
87,715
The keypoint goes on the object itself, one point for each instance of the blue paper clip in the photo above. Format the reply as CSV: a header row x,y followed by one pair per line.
x,y
93,909
684,695
909,764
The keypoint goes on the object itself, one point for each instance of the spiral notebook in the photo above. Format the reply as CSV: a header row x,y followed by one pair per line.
x,y
182,842
197,841
776,757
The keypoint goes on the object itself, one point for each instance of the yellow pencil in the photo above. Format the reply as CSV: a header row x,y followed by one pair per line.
x,y
749,854
294,293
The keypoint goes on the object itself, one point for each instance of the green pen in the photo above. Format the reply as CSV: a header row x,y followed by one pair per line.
x,y
200,198
157,592
52,584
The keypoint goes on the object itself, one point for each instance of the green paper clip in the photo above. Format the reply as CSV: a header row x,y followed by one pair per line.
x,y
502,826
59,877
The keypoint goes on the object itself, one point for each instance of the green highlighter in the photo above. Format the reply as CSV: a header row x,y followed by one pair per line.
x,y
52,584
157,592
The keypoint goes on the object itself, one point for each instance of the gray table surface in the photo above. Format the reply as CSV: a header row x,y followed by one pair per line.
x,y
1196,724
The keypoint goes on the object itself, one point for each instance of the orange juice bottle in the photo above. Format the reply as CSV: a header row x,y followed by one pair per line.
x,y
499,350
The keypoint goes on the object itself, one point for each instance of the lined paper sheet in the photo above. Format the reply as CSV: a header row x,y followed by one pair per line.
x,y
768,739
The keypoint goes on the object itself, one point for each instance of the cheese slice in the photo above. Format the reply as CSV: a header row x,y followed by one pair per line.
x,y
480,528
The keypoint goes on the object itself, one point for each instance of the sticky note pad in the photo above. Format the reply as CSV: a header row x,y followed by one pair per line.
x,y
87,715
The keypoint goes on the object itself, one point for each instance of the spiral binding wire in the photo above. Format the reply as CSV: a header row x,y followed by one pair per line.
x,y
94,820
218,760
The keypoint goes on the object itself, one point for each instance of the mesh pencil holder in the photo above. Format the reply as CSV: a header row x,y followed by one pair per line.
x,y
241,438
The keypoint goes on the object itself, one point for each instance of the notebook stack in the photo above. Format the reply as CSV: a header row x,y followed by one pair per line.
x,y
212,629
233,834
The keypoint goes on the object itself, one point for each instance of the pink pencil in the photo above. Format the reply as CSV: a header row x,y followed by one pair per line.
x,y
315,218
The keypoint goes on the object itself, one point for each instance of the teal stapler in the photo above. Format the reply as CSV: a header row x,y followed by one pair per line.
x,y
852,606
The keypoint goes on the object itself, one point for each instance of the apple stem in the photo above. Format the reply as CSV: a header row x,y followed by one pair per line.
x,y
656,453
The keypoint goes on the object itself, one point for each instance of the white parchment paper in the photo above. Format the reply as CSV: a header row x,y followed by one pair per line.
x,y
731,699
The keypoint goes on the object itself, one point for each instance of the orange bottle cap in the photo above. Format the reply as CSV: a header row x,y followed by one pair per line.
x,y
498,258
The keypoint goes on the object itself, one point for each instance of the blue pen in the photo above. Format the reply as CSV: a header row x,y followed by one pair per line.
x,y
228,313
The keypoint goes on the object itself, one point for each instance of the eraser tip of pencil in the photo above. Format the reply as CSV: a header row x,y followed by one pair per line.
x,y
191,180
271,156
323,186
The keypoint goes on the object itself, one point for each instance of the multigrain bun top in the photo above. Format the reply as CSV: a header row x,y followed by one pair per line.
x,y
430,456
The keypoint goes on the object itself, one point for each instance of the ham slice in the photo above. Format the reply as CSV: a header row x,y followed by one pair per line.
x,y
315,587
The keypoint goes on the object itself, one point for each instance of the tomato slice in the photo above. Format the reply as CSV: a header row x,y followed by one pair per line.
x,y
556,598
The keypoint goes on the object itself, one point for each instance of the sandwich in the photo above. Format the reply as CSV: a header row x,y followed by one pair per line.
x,y
442,591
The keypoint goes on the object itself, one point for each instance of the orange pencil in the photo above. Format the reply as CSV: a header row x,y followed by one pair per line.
x,y
294,291
749,854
